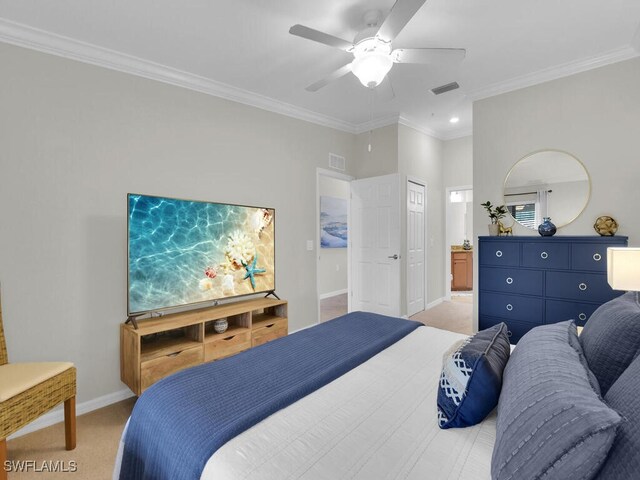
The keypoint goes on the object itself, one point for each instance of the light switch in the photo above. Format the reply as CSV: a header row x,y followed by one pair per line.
x,y
310,245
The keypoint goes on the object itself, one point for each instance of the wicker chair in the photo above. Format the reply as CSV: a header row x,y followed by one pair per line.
x,y
28,390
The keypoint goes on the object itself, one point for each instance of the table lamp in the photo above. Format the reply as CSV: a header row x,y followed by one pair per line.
x,y
623,268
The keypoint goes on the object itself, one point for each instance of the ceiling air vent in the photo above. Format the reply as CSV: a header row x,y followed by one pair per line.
x,y
445,88
337,162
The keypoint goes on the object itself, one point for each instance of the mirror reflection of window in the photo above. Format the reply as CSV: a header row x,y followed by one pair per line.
x,y
549,183
524,214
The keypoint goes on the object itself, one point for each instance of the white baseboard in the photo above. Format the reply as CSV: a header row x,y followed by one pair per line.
x,y
435,303
57,415
333,294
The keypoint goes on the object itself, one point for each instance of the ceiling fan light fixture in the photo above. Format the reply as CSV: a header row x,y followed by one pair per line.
x,y
371,68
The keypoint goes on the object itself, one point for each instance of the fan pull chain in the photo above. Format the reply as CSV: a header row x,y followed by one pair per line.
x,y
371,93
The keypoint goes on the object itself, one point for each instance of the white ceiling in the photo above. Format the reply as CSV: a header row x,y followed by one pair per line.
x,y
241,49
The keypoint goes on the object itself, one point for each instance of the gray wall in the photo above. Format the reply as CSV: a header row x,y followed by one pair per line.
x,y
383,158
594,115
75,139
457,162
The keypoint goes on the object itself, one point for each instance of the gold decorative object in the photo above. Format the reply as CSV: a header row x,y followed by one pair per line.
x,y
606,226
504,230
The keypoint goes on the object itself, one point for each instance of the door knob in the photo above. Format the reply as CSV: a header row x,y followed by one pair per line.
x,y
394,256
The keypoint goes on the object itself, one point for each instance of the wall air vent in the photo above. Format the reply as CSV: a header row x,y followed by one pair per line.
x,y
445,88
337,162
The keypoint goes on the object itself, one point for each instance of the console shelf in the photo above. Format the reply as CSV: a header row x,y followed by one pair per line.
x,y
162,346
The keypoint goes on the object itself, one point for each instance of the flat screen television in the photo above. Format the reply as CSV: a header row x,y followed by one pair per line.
x,y
185,252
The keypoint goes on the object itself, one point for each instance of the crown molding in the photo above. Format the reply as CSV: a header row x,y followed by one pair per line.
x,y
35,39
553,73
375,124
46,42
455,134
427,131
400,120
28,37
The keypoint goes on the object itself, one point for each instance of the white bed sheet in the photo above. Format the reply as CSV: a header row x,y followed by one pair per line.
x,y
377,421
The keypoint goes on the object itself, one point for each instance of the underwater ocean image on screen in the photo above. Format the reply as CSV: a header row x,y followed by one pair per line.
x,y
183,252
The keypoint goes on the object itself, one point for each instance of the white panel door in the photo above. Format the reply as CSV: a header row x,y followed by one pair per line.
x,y
416,200
375,245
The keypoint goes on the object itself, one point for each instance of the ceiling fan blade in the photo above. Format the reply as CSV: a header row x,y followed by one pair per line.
x,y
400,14
321,37
341,72
384,91
427,55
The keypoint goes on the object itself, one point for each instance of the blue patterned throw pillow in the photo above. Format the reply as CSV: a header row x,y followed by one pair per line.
x,y
471,377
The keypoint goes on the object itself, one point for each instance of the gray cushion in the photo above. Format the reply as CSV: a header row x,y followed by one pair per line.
x,y
623,461
551,423
611,338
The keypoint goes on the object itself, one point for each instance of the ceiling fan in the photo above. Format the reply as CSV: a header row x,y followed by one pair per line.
x,y
372,47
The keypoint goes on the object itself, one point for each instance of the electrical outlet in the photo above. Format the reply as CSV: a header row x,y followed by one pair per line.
x,y
310,245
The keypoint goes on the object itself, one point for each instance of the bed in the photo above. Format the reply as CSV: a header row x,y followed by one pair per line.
x,y
361,397
375,421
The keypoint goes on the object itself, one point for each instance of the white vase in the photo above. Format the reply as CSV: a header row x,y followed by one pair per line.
x,y
494,229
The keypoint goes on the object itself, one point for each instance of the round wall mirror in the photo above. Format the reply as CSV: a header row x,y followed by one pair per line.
x,y
548,183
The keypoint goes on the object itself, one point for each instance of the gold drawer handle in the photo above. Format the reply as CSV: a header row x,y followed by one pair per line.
x,y
582,286
509,307
230,338
582,317
597,257
544,255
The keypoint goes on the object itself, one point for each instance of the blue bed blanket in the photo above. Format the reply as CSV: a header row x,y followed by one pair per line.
x,y
179,422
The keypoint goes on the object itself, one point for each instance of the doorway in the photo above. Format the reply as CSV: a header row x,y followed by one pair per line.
x,y
332,221
459,244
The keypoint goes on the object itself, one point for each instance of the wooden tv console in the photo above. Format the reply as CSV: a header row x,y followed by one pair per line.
x,y
161,346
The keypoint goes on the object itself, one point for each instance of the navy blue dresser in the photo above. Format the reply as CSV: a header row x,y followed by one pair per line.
x,y
529,281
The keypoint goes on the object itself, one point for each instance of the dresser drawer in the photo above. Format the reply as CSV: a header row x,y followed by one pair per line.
x,y
270,331
153,370
559,311
584,287
545,255
512,280
511,307
515,328
500,254
588,256
226,346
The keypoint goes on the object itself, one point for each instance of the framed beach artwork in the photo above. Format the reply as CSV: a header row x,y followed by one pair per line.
x,y
333,222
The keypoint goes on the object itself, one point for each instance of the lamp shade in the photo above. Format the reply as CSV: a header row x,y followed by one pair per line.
x,y
623,268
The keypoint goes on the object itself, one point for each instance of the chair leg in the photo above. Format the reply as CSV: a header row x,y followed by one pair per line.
x,y
3,458
70,423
